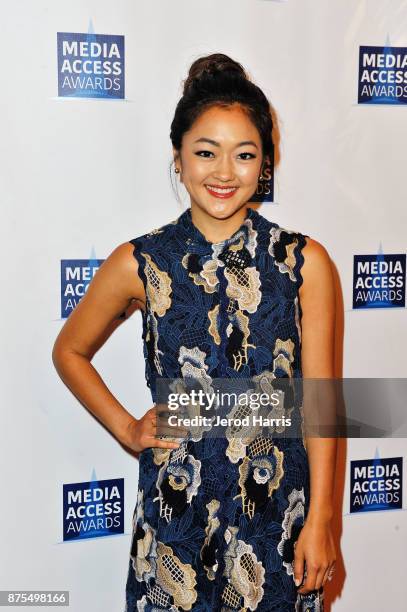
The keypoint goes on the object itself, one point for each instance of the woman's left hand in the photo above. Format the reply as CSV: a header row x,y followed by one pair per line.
x,y
314,546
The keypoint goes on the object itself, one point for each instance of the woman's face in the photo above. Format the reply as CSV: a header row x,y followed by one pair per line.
x,y
222,149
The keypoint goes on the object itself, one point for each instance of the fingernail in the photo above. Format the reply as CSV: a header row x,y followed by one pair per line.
x,y
297,581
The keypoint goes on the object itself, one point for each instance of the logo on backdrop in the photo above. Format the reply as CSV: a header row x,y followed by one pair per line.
x,y
382,75
93,509
379,281
90,65
265,188
376,484
76,274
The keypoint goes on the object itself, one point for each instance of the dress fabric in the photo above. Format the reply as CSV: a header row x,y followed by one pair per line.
x,y
215,523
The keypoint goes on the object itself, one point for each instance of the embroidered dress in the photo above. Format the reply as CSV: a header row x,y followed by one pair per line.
x,y
216,519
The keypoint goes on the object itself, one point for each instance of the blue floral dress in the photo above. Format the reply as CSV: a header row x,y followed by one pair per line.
x,y
215,522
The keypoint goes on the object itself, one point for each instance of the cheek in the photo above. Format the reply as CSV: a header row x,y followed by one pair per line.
x,y
195,173
248,174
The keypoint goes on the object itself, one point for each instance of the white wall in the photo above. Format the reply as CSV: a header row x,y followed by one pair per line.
x,y
80,176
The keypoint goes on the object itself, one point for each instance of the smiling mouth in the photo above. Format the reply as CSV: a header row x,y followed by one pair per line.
x,y
222,192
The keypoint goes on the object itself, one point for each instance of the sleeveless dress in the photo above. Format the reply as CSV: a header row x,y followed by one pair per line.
x,y
215,524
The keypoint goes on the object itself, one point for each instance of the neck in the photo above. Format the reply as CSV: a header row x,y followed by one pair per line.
x,y
217,229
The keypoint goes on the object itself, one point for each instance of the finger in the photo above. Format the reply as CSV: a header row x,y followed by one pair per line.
x,y
165,444
151,425
162,411
156,442
309,584
166,432
330,568
164,420
298,566
169,435
320,577
164,427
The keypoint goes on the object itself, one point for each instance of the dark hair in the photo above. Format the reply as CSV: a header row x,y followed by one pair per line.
x,y
218,80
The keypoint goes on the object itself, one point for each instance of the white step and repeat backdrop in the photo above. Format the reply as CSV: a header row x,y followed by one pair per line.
x,y
85,156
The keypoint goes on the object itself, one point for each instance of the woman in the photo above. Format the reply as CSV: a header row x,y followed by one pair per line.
x,y
225,294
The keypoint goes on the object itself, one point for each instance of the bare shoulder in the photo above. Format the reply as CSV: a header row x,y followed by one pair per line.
x,y
315,253
122,266
316,258
111,292
317,267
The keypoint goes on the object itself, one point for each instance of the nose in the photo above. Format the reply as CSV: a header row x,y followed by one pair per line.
x,y
224,169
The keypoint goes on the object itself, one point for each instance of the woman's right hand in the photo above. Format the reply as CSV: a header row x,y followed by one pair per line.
x,y
140,433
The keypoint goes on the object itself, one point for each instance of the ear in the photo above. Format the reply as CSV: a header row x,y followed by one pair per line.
x,y
175,153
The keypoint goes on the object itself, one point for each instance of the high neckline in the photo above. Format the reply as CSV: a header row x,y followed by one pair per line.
x,y
194,235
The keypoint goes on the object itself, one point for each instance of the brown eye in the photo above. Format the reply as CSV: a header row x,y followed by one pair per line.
x,y
199,153
251,155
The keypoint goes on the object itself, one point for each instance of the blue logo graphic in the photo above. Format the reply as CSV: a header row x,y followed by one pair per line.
x,y
90,65
376,484
379,281
382,75
76,275
265,188
93,509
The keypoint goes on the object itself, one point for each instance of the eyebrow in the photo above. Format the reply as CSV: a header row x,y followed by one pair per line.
x,y
216,144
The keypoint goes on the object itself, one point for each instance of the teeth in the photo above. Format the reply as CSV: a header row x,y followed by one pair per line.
x,y
221,190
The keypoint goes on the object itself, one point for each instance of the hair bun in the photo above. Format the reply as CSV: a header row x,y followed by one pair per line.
x,y
211,66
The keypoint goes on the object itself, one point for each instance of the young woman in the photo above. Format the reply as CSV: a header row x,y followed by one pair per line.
x,y
219,524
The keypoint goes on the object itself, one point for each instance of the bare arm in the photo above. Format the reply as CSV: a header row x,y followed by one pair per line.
x,y
317,297
112,290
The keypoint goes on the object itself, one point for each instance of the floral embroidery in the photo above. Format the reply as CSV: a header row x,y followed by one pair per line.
x,y
217,519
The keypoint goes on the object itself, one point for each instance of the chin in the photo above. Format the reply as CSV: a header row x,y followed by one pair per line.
x,y
222,205
225,209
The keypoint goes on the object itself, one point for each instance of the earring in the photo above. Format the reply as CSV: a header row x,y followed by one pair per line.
x,y
176,170
261,177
